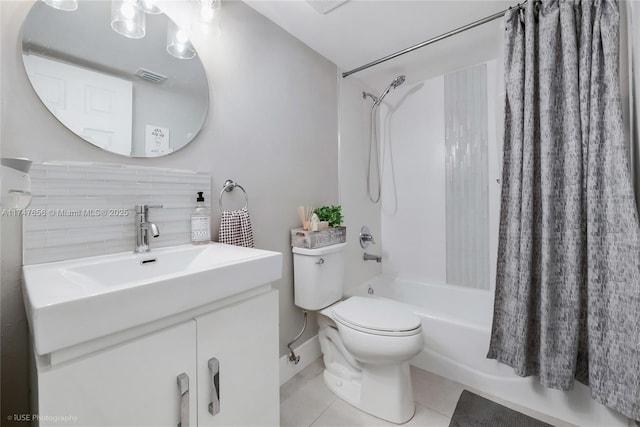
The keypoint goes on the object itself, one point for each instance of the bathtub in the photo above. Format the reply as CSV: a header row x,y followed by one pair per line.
x,y
457,324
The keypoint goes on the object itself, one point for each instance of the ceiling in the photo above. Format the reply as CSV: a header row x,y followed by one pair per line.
x,y
361,31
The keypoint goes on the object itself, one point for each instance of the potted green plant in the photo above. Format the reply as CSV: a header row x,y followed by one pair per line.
x,y
331,214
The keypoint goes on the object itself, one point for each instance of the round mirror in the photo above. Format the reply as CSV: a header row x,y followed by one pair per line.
x,y
126,95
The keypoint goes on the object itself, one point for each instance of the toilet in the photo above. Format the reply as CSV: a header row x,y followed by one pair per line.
x,y
366,342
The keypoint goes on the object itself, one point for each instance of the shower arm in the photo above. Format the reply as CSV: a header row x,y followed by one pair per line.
x,y
373,97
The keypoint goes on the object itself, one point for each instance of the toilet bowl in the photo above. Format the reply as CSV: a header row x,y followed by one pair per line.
x,y
366,342
374,340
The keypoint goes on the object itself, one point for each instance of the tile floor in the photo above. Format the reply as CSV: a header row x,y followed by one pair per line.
x,y
306,401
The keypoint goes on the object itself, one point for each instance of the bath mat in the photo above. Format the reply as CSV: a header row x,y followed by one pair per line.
x,y
476,411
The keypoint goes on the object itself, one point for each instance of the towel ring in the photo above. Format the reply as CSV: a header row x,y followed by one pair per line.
x,y
229,185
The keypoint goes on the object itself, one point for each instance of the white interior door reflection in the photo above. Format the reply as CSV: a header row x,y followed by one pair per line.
x,y
96,106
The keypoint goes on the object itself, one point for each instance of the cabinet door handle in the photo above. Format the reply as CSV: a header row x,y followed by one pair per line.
x,y
183,383
214,370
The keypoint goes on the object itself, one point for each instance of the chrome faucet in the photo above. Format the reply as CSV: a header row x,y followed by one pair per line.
x,y
369,257
144,228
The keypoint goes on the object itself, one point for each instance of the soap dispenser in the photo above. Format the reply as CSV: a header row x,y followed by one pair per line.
x,y
200,222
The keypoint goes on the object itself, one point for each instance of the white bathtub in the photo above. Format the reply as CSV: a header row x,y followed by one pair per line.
x,y
457,326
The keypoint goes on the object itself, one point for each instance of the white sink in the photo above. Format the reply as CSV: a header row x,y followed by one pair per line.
x,y
70,302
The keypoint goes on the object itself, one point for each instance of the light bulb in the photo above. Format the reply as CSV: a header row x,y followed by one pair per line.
x,y
206,13
205,17
181,36
127,10
127,19
178,43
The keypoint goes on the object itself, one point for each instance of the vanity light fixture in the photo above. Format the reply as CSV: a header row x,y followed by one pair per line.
x,y
128,19
205,17
178,43
66,5
149,6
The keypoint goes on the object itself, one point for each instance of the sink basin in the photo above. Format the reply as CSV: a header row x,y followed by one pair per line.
x,y
70,302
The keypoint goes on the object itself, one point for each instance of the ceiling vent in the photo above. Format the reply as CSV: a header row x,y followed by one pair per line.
x,y
325,6
150,76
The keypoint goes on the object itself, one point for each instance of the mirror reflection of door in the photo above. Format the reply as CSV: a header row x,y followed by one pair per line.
x,y
93,105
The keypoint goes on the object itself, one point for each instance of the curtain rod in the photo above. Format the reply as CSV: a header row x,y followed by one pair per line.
x,y
434,39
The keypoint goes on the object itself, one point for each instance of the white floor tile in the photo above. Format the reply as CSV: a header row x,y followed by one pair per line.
x,y
303,377
435,392
426,417
302,407
340,413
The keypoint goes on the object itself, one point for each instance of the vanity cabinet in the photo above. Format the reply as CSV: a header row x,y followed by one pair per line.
x,y
229,356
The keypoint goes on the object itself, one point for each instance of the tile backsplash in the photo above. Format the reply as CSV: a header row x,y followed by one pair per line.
x,y
87,209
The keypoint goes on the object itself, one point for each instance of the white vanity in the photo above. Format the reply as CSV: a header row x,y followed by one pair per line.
x,y
185,336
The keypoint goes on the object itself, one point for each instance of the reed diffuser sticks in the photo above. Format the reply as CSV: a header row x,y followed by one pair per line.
x,y
305,213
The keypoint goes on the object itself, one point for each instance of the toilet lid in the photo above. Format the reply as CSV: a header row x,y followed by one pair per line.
x,y
376,315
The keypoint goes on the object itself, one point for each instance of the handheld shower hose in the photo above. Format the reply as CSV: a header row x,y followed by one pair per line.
x,y
374,155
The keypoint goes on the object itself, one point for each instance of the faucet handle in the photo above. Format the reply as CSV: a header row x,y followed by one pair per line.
x,y
365,237
144,209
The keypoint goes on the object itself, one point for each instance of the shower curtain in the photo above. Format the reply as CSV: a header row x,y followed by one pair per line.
x,y
567,298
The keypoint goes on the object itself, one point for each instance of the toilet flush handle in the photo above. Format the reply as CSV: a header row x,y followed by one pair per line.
x,y
320,261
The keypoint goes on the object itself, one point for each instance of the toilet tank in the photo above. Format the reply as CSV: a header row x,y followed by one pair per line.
x,y
318,276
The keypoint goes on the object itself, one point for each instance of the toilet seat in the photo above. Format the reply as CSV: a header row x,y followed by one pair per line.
x,y
377,317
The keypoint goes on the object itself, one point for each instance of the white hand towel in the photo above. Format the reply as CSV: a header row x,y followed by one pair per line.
x,y
235,228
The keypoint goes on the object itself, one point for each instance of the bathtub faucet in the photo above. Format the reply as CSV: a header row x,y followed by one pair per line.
x,y
369,257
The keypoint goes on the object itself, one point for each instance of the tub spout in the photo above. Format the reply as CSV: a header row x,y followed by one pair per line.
x,y
369,257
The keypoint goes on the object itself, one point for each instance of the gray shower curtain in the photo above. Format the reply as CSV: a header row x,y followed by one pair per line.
x,y
567,298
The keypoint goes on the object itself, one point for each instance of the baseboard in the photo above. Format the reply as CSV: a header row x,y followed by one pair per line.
x,y
308,351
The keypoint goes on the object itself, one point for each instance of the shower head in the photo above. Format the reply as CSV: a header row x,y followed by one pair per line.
x,y
394,84
397,81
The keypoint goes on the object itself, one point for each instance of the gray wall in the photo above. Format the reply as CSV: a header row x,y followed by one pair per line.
x,y
272,127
